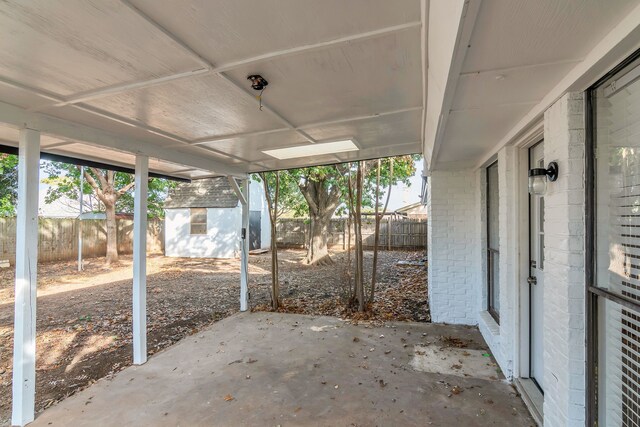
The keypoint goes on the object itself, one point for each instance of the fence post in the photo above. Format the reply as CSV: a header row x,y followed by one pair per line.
x,y
389,233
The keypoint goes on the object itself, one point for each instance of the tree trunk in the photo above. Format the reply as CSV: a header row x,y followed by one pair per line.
x,y
272,206
323,202
112,232
275,280
358,230
377,232
318,249
376,241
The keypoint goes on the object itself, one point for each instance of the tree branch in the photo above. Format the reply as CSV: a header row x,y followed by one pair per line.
x,y
92,182
97,173
126,188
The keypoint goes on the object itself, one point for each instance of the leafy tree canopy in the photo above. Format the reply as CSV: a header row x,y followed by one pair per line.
x,y
335,176
64,181
8,184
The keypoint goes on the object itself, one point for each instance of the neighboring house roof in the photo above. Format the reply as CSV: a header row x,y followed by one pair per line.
x,y
414,208
202,193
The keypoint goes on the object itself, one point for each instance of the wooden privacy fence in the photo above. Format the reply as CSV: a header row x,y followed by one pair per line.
x,y
394,233
58,238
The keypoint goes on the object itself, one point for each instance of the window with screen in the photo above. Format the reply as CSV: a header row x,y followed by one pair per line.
x,y
493,244
198,219
616,127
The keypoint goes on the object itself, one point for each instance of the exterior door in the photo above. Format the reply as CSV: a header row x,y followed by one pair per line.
x,y
536,274
255,230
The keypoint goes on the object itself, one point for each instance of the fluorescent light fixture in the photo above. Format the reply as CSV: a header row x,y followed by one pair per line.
x,y
309,150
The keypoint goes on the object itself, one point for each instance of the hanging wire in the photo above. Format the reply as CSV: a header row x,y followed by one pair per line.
x,y
260,98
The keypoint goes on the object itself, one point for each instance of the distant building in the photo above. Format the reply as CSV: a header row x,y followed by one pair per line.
x,y
203,219
413,211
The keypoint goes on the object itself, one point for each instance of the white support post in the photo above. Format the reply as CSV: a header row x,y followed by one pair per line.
x,y
140,260
244,261
81,201
24,338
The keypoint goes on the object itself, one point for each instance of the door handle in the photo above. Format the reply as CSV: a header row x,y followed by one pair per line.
x,y
532,280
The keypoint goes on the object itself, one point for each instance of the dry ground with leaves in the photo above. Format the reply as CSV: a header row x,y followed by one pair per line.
x,y
84,319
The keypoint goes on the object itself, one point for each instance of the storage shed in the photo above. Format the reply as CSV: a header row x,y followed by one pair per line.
x,y
203,219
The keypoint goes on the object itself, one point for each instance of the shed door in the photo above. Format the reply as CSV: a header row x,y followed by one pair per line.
x,y
254,230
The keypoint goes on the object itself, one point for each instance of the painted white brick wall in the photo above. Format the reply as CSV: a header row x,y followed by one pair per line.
x,y
453,247
501,338
564,318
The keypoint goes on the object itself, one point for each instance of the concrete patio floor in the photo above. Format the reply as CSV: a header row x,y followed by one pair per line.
x,y
270,369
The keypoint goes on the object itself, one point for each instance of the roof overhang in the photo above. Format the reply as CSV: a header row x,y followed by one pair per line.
x,y
502,64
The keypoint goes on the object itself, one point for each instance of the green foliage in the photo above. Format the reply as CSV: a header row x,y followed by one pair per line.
x,y
290,199
293,202
157,193
8,184
64,181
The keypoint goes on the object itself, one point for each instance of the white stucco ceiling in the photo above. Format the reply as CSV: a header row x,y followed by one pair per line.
x,y
170,77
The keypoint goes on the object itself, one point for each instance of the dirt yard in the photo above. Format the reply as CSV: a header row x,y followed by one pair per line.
x,y
84,319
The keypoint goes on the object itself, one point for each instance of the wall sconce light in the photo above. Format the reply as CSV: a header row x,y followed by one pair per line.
x,y
538,178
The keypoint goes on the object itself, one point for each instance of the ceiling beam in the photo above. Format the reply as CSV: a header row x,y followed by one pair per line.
x,y
39,92
518,68
424,19
489,105
182,45
121,87
236,188
19,117
317,46
305,126
207,64
116,118
208,67
236,135
401,149
221,153
247,92
11,147
58,144
450,27
358,118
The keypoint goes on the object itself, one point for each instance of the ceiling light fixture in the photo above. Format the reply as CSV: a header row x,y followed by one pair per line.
x,y
258,82
309,150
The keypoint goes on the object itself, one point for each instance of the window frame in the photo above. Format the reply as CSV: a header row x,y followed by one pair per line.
x,y
491,253
192,223
593,292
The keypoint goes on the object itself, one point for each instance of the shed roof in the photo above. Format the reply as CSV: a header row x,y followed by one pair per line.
x,y
202,193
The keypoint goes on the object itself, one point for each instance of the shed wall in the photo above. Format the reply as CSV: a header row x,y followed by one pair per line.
x,y
221,241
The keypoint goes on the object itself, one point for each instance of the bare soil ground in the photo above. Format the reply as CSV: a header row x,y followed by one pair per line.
x,y
84,318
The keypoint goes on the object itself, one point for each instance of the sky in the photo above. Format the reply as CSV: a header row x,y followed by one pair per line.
x,y
402,195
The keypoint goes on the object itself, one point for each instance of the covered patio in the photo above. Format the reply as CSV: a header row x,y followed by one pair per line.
x,y
162,89
283,369
196,89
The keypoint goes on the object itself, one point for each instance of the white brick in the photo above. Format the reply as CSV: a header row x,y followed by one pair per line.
x,y
564,139
453,247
